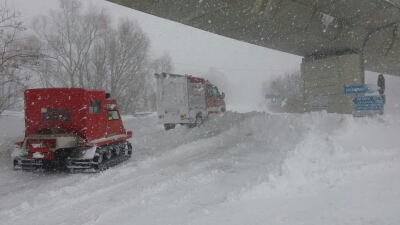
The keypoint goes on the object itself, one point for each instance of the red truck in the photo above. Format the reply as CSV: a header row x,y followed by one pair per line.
x,y
72,128
184,99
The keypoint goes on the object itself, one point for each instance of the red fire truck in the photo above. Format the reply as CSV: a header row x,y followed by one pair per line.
x,y
184,99
76,128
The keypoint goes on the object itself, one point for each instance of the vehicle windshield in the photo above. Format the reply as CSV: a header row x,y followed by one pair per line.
x,y
216,92
112,115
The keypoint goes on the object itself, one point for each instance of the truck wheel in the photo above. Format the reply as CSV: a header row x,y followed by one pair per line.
x,y
199,120
108,154
98,158
117,151
129,145
169,126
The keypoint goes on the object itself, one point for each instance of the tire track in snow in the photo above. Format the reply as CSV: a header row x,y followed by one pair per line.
x,y
81,197
188,169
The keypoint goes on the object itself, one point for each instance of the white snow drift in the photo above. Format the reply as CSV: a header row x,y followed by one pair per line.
x,y
238,168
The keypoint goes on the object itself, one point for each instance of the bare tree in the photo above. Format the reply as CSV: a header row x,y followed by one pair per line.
x,y
288,89
127,64
84,50
163,64
68,37
159,65
15,53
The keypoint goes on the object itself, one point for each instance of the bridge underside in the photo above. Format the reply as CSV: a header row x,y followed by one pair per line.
x,y
338,39
312,29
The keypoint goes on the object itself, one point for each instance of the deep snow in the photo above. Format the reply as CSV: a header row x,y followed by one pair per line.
x,y
238,168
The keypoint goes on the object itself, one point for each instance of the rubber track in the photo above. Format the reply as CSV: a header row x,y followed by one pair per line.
x,y
96,168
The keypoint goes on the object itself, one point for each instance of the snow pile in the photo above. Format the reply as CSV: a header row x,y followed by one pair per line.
x,y
237,168
344,169
11,130
331,141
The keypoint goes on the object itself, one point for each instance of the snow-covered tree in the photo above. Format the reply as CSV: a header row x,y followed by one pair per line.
x,y
163,64
288,89
68,38
84,49
16,52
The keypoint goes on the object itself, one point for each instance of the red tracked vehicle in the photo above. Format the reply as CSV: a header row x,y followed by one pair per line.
x,y
72,128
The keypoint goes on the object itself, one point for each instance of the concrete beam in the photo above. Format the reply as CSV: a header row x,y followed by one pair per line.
x,y
299,27
323,80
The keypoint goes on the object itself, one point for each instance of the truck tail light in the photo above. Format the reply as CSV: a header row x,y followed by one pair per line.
x,y
162,116
183,115
81,143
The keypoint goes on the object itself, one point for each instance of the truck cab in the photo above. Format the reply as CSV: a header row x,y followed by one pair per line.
x,y
214,100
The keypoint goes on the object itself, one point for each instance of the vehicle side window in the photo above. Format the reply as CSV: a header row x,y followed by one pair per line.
x,y
94,107
210,91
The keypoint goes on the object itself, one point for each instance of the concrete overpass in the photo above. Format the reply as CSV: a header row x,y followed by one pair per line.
x,y
338,39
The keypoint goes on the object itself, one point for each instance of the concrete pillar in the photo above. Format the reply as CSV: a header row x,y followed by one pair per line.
x,y
323,78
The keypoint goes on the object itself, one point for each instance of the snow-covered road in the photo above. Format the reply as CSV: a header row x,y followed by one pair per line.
x,y
238,168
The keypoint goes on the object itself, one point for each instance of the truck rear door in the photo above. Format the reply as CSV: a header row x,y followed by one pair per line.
x,y
173,98
173,95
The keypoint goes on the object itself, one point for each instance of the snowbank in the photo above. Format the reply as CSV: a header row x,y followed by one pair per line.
x,y
11,130
237,168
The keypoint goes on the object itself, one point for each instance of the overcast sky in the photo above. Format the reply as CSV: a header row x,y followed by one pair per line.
x,y
194,51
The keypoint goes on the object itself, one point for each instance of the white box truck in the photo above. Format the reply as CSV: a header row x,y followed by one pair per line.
x,y
184,99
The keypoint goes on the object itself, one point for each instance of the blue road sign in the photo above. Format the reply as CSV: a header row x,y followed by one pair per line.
x,y
356,89
368,100
368,107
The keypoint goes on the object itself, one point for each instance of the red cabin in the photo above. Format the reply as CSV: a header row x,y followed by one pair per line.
x,y
62,121
86,113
